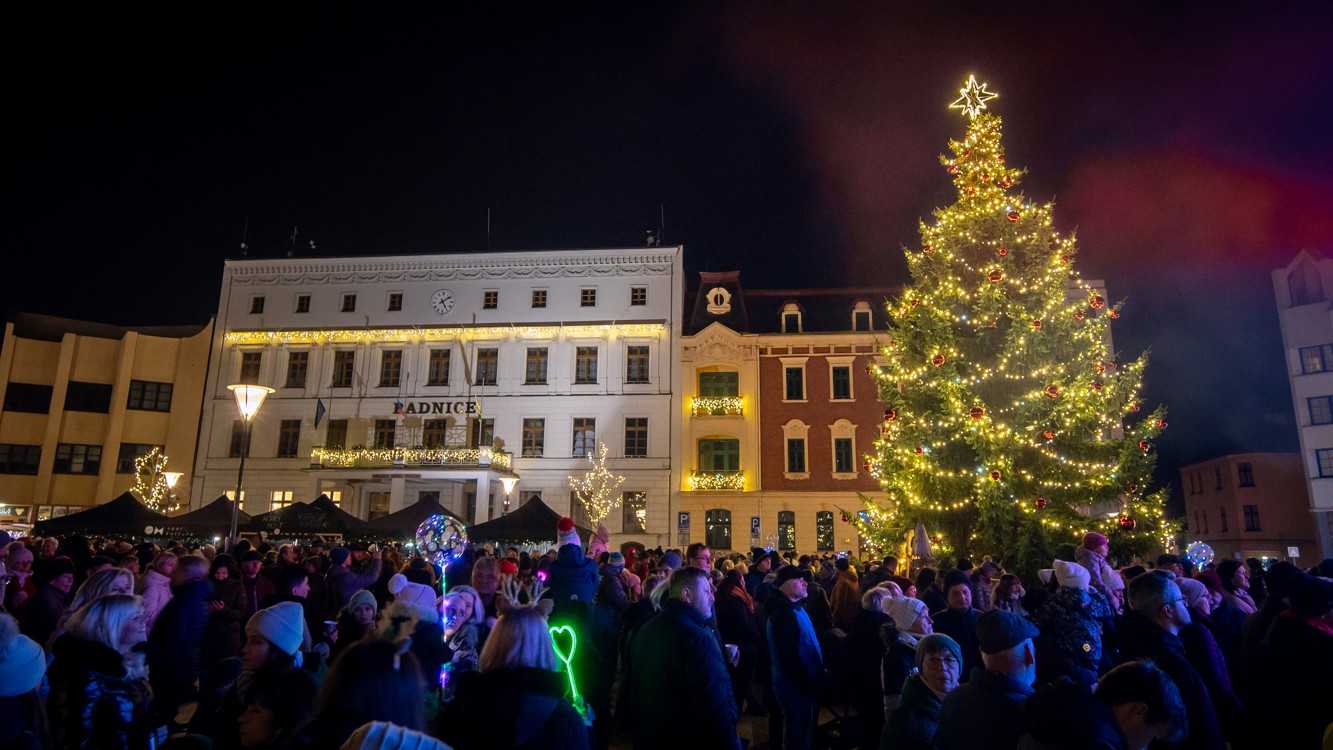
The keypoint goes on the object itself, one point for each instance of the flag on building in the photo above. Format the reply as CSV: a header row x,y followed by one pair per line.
x,y
320,411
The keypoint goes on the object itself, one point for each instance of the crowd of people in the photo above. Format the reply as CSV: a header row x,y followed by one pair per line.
x,y
109,644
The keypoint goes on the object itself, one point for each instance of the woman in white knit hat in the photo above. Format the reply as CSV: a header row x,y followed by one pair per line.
x,y
22,716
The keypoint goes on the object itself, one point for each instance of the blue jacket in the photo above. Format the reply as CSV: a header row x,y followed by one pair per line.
x,y
572,586
798,662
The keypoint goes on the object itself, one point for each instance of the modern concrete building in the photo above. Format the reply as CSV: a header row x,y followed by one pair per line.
x,y
1305,315
81,401
1250,505
404,377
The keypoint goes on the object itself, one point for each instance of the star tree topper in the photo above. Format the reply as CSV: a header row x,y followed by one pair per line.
x,y
973,99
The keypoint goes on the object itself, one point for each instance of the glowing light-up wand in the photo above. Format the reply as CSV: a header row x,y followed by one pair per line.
x,y
558,633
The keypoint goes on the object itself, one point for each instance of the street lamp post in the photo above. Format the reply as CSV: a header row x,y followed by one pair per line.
x,y
172,478
508,483
248,399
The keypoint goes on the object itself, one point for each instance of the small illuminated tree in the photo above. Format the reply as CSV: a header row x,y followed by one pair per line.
x,y
596,489
151,483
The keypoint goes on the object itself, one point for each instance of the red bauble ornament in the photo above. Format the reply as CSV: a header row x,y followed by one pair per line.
x,y
1143,445
927,249
890,415
952,168
846,518
1097,302
993,324
920,449
1099,367
1014,216
967,153
1132,488
915,302
969,190
866,466
1113,314
995,475
1036,324
1052,390
1133,407
1000,159
994,277
1064,259
1097,387
1110,365
1078,315
937,360
977,412
1005,181
1048,434
1161,424
1040,502
1128,523
1002,252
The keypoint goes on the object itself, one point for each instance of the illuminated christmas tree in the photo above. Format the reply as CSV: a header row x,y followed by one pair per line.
x,y
596,489
1009,428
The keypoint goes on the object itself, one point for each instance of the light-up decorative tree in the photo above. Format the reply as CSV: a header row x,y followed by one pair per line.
x,y
596,489
1009,428
152,481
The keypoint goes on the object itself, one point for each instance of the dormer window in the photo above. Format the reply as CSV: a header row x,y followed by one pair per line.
x,y
791,318
861,316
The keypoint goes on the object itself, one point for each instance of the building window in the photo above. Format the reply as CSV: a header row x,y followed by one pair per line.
x,y
488,366
490,299
77,459
256,305
585,436
238,441
28,398
289,437
1325,458
720,454
786,530
250,362
1305,284
280,499
337,434
719,384
231,495
795,455
717,528
89,397
349,303
585,365
437,369
794,384
302,303
842,383
1316,358
577,510
384,433
636,364
538,298
20,459
1251,517
534,372
149,396
391,368
1204,512
638,295
824,531
791,318
395,301
1223,512
842,456
483,433
434,433
1321,409
297,365
534,437
128,453
344,366
634,513
1217,478
1246,471
636,437
860,322
587,298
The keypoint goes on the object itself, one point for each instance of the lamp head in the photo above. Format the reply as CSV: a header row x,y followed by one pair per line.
x,y
509,483
249,398
172,477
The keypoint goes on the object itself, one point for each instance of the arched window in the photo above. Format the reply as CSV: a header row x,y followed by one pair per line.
x,y
717,528
1305,285
824,531
786,530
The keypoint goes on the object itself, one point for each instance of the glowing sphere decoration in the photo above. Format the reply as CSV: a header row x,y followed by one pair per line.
x,y
1200,553
440,538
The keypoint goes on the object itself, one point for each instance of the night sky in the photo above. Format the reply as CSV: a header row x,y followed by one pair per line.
x,y
1189,147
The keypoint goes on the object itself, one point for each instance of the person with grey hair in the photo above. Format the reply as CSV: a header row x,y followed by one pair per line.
x,y
1151,630
986,712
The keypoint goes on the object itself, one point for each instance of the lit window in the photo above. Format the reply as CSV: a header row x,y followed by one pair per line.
x,y
636,364
279,499
786,530
534,437
634,512
535,370
585,436
488,366
585,365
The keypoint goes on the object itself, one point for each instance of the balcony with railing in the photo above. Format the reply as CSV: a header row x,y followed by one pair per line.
x,y
717,480
718,406
457,457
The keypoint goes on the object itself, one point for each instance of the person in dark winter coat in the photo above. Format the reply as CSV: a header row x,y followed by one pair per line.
x,y
1070,644
737,624
572,582
959,620
1135,703
928,590
1294,660
517,701
680,693
222,636
1150,630
862,658
1206,657
99,696
342,581
986,713
374,680
914,723
175,646
799,677
39,616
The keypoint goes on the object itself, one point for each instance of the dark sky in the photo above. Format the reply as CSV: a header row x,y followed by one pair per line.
x,y
1188,146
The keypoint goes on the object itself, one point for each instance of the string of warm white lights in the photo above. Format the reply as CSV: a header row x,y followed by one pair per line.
x,y
357,335
596,489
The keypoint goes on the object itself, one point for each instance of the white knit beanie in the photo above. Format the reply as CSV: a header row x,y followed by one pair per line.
x,y
381,735
280,625
421,599
21,660
1072,575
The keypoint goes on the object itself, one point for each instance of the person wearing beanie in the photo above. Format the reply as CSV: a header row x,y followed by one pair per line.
x,y
959,620
355,621
419,599
40,616
799,676
566,533
428,634
277,627
343,581
915,722
1073,622
572,580
23,665
1092,554
22,584
671,560
1072,575
599,543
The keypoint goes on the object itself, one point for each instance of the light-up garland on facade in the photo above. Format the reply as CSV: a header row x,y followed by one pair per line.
x,y
1000,391
717,480
704,406
596,489
358,335
351,457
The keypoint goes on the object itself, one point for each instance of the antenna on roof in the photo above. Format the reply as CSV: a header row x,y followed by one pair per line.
x,y
661,234
245,249
292,252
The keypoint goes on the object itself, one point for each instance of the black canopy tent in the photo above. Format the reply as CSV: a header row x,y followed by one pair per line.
x,y
320,516
124,516
403,523
533,523
211,520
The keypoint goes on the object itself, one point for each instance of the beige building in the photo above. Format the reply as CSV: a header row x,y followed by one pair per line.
x,y
1250,505
79,401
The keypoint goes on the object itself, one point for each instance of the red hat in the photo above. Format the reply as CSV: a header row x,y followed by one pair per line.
x,y
1092,540
508,568
566,533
